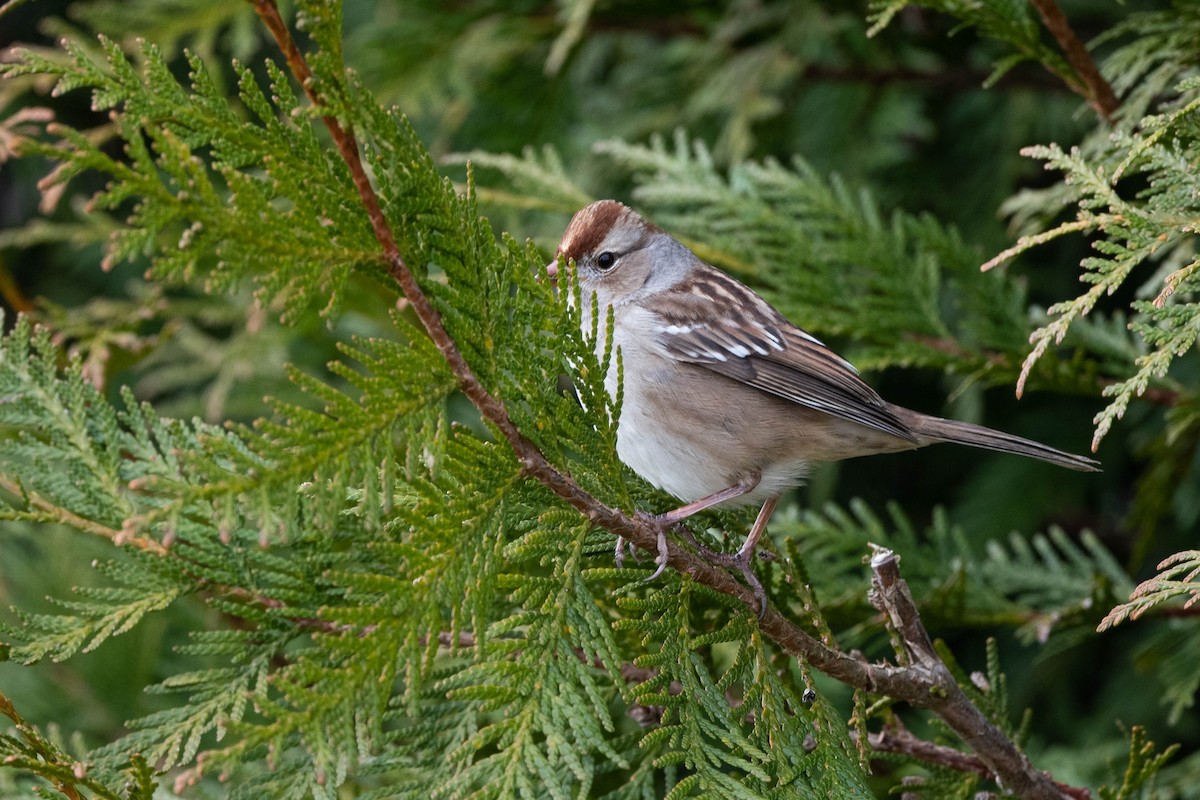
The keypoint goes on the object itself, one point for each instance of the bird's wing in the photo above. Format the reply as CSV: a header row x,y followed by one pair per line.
x,y
714,321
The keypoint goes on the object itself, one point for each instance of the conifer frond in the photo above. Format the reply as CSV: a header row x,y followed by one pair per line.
x,y
1010,23
541,674
1178,576
746,720
33,751
1051,573
142,586
1138,780
539,177
1155,54
202,167
1154,225
216,700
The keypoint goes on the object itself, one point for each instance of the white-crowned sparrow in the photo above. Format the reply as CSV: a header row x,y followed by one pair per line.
x,y
726,401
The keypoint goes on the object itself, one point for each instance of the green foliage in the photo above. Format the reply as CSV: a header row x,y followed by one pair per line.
x,y
1183,567
1138,780
364,594
771,740
1151,226
1013,24
31,751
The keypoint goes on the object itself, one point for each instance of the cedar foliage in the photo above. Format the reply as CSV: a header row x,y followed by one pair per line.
x,y
350,589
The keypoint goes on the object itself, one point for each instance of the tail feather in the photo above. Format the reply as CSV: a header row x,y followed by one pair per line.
x,y
931,430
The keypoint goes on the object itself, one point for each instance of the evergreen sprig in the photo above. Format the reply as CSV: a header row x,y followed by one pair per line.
x,y
1177,577
32,751
1153,226
1013,24
407,611
1138,780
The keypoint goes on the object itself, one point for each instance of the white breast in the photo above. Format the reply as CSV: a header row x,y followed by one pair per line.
x,y
673,435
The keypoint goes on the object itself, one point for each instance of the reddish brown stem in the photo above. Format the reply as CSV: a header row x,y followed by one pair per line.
x,y
1096,89
890,594
1006,760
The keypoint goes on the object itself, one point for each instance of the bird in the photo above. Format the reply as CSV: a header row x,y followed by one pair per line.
x,y
724,400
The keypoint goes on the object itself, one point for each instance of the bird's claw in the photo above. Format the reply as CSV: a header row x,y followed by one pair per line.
x,y
623,546
743,562
663,553
660,527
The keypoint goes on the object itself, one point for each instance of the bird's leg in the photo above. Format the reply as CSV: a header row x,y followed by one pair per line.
x,y
746,551
671,519
744,486
744,557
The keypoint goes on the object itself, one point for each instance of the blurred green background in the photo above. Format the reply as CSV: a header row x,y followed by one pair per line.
x,y
904,114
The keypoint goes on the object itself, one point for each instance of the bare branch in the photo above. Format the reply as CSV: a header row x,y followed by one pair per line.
x,y
1007,763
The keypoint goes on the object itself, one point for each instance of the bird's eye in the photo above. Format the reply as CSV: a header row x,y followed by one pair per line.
x,y
606,260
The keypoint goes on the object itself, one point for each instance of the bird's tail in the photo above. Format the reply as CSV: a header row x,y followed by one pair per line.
x,y
930,430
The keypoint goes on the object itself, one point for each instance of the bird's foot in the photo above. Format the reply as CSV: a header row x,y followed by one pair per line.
x,y
623,546
661,524
742,561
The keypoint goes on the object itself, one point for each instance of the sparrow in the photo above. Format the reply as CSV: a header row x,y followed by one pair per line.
x,y
725,401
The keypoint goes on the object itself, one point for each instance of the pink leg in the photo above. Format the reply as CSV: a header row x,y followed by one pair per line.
x,y
743,559
744,486
757,529
672,518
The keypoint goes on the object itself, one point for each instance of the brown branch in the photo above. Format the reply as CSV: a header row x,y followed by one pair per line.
x,y
896,739
890,594
916,685
1097,90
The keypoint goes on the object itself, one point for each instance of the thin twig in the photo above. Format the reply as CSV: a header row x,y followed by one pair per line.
x,y
53,512
943,697
1097,90
895,738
